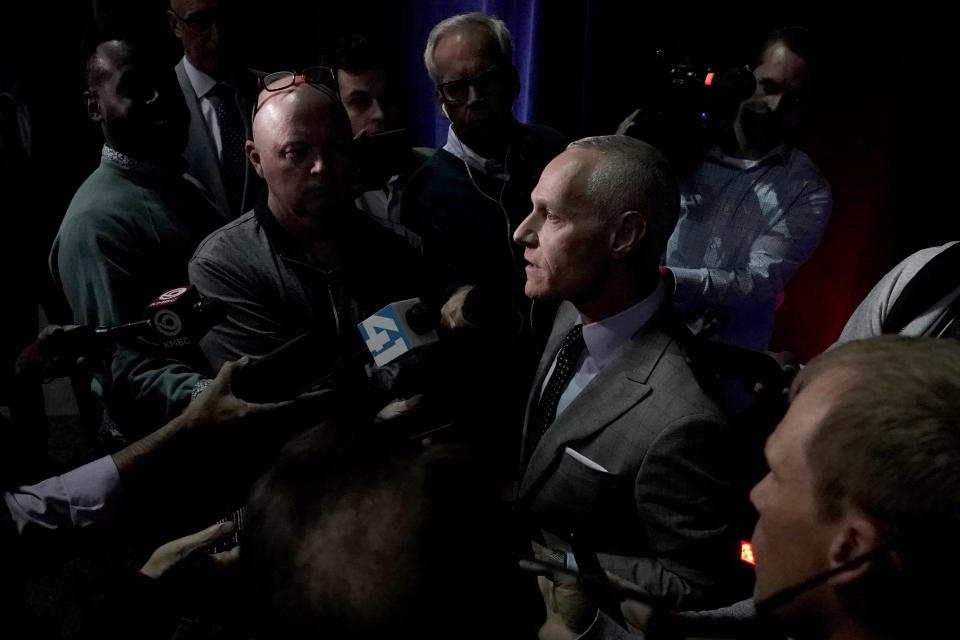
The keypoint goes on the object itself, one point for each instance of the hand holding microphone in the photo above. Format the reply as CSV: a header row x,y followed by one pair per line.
x,y
176,318
451,314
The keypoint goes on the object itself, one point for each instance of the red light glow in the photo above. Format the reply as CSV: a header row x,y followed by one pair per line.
x,y
746,553
709,79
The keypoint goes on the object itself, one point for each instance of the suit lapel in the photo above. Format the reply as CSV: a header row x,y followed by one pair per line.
x,y
565,318
201,152
616,389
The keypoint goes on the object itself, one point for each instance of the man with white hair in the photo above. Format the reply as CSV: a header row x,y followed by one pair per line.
x,y
465,202
468,197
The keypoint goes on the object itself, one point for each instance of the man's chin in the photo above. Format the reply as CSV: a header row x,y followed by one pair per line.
x,y
538,293
321,211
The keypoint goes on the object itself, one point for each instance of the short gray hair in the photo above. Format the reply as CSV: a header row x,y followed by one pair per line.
x,y
492,27
633,175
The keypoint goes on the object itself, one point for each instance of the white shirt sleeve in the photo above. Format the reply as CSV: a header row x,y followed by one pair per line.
x,y
79,498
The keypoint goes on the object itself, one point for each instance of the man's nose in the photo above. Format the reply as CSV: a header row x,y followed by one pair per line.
x,y
319,165
526,233
376,112
755,493
774,102
473,95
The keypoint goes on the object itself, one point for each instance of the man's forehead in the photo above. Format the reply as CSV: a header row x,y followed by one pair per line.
x,y
188,7
783,63
304,106
111,58
367,80
811,399
568,175
114,53
466,45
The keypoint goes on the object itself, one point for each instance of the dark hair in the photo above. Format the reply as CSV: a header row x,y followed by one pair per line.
x,y
356,53
353,538
141,38
889,447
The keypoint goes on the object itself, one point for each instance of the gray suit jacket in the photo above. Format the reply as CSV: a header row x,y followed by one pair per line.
x,y
201,152
661,515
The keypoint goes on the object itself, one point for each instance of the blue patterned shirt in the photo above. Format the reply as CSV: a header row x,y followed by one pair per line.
x,y
745,228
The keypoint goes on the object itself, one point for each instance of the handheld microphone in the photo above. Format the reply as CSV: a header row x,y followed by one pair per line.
x,y
180,316
314,356
397,329
176,318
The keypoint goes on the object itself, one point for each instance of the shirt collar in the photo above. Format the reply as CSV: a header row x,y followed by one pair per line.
x,y
779,152
201,82
138,166
486,166
604,337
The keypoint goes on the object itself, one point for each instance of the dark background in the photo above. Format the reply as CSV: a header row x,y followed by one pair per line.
x,y
883,129
884,134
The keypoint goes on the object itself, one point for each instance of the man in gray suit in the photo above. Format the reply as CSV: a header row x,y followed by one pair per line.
x,y
220,95
621,448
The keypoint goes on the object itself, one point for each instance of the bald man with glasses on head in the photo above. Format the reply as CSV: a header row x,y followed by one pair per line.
x,y
305,259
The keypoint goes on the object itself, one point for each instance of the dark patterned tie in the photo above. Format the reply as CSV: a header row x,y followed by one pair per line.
x,y
567,358
232,138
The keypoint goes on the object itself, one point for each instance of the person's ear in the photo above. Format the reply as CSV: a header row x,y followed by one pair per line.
x,y
254,156
92,106
856,538
441,103
174,23
628,229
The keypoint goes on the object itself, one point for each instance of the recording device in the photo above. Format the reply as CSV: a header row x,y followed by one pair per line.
x,y
239,519
179,317
313,357
175,319
397,329
381,156
292,368
688,106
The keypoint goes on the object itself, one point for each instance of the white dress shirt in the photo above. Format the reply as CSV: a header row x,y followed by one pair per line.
x,y
486,166
87,495
202,84
602,339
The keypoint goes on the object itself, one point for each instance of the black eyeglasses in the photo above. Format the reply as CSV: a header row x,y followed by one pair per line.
x,y
488,83
280,80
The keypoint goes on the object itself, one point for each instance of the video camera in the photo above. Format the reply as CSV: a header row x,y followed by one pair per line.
x,y
689,107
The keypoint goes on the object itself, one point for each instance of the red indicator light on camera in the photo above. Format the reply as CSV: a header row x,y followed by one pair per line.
x,y
709,79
